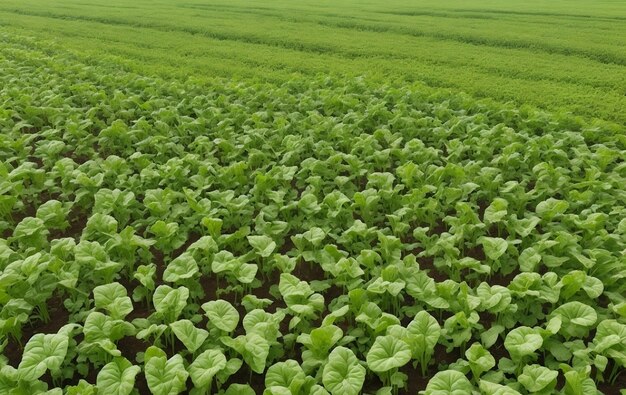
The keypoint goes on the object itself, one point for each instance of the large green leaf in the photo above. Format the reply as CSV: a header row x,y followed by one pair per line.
x,y
551,207
42,352
181,268
537,378
170,302
480,359
253,347
494,247
205,366
496,211
321,339
522,341
263,245
239,389
489,388
164,377
113,298
448,382
576,318
426,329
388,353
188,334
343,374
287,374
117,377
222,314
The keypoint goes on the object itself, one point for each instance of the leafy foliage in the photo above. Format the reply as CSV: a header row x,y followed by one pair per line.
x,y
319,236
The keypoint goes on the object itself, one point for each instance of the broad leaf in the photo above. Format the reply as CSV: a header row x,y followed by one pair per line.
x,y
42,352
164,377
170,302
263,245
112,298
448,382
181,268
537,378
205,366
522,341
222,314
188,334
494,247
117,377
388,353
343,374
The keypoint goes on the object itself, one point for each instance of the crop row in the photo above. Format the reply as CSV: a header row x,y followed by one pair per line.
x,y
497,55
321,236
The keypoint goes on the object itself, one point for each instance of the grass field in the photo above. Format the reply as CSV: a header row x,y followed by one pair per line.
x,y
312,198
561,56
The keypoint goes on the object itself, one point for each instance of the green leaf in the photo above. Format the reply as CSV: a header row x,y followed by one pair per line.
x,y
529,259
321,340
164,377
251,302
263,245
576,318
537,378
224,261
286,374
205,366
112,298
317,389
42,352
551,208
609,333
82,388
188,334
53,214
524,227
577,382
239,389
181,268
253,347
388,353
343,374
448,382
232,366
117,377
522,341
103,330
490,336
222,314
489,388
496,210
426,328
494,247
170,302
480,359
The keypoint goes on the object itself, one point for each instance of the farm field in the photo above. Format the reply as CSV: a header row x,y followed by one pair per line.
x,y
560,56
312,197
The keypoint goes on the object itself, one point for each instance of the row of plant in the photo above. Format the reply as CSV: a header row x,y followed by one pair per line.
x,y
321,236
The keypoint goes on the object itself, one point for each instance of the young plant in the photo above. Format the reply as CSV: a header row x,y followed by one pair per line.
x,y
386,356
343,374
117,377
164,376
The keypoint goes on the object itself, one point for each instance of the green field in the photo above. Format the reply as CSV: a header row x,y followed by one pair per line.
x,y
324,198
562,55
